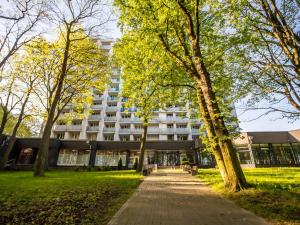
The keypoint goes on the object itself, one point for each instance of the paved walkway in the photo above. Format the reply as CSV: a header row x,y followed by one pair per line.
x,y
176,198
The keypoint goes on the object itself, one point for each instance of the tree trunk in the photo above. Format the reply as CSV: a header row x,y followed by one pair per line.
x,y
142,149
3,121
42,155
215,148
236,178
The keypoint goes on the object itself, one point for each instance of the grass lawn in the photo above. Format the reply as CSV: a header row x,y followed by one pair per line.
x,y
64,197
274,193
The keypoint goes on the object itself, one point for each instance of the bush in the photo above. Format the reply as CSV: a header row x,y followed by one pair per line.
x,y
184,161
135,165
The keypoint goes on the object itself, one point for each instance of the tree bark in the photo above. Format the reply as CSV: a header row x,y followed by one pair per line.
x,y
142,149
215,148
42,155
3,121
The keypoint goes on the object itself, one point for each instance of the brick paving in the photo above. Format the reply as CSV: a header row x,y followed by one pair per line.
x,y
176,198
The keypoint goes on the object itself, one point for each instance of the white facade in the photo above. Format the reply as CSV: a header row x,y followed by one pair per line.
x,y
110,122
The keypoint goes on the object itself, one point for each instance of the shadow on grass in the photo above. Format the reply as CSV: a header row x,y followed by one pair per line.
x,y
274,193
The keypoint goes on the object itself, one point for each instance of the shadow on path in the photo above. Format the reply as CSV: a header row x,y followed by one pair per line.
x,y
176,198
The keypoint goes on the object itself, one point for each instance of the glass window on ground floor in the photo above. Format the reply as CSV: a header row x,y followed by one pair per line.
x,y
68,157
244,154
110,158
283,153
296,152
26,156
60,135
261,153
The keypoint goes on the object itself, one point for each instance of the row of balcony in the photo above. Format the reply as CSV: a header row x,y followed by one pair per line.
x,y
127,130
138,120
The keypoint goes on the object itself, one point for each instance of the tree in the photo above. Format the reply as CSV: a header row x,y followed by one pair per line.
x,y
79,56
138,72
271,54
189,32
18,20
28,82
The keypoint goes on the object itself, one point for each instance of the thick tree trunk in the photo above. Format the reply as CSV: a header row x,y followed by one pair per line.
x,y
236,178
42,156
215,148
142,149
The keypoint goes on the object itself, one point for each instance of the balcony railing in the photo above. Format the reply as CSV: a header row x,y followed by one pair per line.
x,y
115,81
195,131
136,119
74,127
182,119
113,89
60,127
182,130
125,120
109,129
137,130
152,130
98,97
94,117
113,118
167,131
155,120
92,128
124,131
112,108
96,106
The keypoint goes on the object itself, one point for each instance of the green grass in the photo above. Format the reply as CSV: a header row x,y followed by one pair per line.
x,y
64,197
274,193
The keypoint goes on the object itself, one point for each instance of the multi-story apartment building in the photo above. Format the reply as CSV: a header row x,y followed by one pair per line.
x,y
110,121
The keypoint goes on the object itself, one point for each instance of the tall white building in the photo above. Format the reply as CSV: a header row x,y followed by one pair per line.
x,y
109,121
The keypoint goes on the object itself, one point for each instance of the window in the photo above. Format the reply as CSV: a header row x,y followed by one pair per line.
x,y
60,135
108,137
76,123
170,137
69,157
181,125
127,126
182,137
109,158
26,156
74,136
138,127
170,125
169,115
126,116
97,103
93,124
112,104
195,137
110,125
110,114
61,122
125,138
137,137
96,113
92,137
